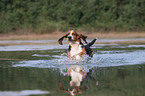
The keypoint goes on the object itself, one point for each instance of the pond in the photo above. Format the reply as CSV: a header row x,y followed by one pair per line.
x,y
41,68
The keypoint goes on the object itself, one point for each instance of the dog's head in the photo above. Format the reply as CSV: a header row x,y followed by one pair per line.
x,y
72,36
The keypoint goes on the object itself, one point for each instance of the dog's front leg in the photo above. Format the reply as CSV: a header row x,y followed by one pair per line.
x,y
68,55
83,52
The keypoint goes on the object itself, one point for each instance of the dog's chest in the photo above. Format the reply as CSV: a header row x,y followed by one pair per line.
x,y
75,49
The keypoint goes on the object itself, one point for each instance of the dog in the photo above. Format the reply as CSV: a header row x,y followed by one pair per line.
x,y
76,48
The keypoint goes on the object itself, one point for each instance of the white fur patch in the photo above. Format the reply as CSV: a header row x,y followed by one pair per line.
x,y
75,50
71,34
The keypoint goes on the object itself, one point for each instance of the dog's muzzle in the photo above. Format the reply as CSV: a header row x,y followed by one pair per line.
x,y
69,38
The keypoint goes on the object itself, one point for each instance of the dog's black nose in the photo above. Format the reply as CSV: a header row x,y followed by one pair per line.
x,y
69,37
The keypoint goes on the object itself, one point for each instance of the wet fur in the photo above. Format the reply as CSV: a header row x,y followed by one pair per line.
x,y
76,47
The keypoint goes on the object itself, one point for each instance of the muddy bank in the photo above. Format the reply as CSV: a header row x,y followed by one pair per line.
x,y
56,35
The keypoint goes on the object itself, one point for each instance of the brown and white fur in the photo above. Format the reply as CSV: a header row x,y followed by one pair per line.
x,y
76,48
77,75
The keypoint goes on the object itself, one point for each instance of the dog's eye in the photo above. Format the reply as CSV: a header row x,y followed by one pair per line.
x,y
73,33
68,33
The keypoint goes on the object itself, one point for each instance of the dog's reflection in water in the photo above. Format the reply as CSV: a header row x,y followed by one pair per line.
x,y
77,77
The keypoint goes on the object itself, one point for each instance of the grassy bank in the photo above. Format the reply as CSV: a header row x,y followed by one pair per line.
x,y
47,16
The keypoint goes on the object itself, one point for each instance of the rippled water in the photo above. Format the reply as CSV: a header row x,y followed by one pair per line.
x,y
39,68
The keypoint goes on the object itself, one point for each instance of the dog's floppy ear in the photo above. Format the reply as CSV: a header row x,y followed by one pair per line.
x,y
61,39
83,37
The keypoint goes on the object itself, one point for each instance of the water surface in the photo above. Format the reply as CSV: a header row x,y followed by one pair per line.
x,y
41,68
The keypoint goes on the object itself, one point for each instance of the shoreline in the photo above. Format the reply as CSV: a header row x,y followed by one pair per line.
x,y
57,35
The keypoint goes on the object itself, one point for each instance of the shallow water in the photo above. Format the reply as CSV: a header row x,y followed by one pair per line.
x,y
40,69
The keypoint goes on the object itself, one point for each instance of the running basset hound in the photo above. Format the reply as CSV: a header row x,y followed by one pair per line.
x,y
76,48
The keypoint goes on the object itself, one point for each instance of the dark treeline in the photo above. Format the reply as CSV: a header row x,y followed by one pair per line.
x,y
44,16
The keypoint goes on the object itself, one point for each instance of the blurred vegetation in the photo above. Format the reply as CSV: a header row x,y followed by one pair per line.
x,y
45,16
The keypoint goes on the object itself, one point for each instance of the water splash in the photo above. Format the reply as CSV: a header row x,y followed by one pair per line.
x,y
98,60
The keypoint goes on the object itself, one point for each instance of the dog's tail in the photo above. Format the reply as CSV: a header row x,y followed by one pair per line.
x,y
92,42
